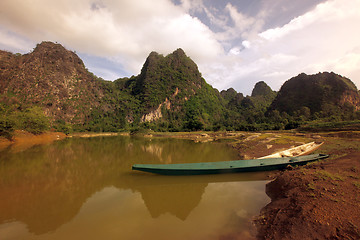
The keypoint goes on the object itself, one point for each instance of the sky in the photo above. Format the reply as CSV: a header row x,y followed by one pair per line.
x,y
234,43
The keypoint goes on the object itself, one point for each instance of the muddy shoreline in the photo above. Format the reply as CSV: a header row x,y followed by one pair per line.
x,y
317,201
23,140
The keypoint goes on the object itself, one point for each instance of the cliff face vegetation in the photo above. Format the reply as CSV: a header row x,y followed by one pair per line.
x,y
162,76
171,88
318,93
50,77
169,94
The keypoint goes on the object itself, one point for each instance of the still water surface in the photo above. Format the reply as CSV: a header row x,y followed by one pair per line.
x,y
85,189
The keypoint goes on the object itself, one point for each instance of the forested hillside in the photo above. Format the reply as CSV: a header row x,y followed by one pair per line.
x,y
51,88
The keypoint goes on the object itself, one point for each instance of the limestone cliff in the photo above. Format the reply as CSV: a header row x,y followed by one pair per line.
x,y
317,92
52,77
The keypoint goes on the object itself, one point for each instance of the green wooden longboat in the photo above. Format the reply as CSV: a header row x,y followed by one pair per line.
x,y
227,166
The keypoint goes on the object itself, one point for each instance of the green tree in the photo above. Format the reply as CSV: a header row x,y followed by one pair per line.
x,y
62,126
32,120
7,125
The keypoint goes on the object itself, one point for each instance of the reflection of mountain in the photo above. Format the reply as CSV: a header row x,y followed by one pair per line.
x,y
157,150
46,186
179,195
177,199
41,208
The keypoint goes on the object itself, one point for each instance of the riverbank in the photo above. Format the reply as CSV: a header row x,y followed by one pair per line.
x,y
317,201
105,134
23,140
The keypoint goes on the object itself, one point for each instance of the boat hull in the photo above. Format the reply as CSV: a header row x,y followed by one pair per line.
x,y
228,166
304,149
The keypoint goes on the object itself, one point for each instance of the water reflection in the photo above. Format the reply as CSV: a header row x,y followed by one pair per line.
x,y
179,195
68,187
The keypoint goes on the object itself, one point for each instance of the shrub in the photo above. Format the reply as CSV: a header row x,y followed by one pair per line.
x,y
32,120
62,126
6,126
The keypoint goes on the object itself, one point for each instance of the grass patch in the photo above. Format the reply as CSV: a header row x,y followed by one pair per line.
x,y
336,144
280,141
327,126
311,186
304,171
357,184
288,139
312,195
336,156
313,163
354,176
264,136
325,175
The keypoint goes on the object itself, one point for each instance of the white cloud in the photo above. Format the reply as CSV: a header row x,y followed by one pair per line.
x,y
192,5
242,22
235,51
347,64
234,24
246,44
13,42
108,28
325,13
324,39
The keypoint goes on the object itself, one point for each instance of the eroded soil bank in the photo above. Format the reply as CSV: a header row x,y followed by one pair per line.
x,y
317,201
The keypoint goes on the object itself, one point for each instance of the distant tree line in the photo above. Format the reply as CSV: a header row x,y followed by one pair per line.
x,y
205,111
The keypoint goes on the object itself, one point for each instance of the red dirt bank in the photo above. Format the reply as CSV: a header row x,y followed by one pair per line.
x,y
318,201
23,140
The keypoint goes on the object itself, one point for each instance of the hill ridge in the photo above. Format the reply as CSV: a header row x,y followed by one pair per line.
x,y
316,92
168,94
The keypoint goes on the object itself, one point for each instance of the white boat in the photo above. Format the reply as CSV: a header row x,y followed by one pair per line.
x,y
295,151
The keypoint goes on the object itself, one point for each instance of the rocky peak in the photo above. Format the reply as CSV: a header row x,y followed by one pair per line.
x,y
160,76
150,62
316,92
47,46
228,94
49,53
262,89
52,77
179,52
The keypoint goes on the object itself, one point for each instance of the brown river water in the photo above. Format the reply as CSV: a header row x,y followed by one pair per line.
x,y
84,189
